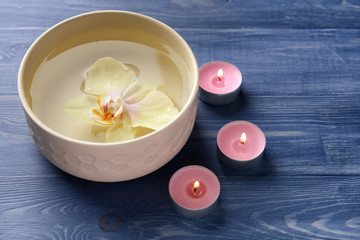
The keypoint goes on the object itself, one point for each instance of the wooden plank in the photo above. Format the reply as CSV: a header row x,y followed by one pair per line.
x,y
13,46
273,62
199,13
300,63
306,135
249,208
285,62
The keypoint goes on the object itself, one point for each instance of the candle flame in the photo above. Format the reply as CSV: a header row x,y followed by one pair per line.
x,y
243,138
196,185
220,74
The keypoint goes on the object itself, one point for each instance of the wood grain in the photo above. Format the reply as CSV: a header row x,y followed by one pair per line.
x,y
301,85
199,13
249,207
285,62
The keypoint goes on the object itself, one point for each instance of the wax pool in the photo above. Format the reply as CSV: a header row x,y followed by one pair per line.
x,y
237,152
219,82
191,199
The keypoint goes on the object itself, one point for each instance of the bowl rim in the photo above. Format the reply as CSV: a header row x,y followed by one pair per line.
x,y
43,126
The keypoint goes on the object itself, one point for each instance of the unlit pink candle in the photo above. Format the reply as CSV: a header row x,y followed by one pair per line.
x,y
190,200
219,89
238,153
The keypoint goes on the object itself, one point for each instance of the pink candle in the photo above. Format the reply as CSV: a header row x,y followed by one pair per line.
x,y
194,191
219,83
240,144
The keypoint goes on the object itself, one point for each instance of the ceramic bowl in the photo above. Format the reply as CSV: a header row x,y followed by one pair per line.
x,y
120,161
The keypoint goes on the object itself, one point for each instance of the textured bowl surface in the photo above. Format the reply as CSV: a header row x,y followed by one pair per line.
x,y
110,162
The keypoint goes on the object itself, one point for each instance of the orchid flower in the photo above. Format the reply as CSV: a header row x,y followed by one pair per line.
x,y
113,98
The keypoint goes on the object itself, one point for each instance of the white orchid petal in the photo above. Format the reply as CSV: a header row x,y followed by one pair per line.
x,y
79,108
106,75
137,91
153,111
120,131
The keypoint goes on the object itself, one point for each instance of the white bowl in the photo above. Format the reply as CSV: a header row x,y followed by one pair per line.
x,y
110,162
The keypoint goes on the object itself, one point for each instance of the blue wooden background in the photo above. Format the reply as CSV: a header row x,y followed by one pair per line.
x,y
301,84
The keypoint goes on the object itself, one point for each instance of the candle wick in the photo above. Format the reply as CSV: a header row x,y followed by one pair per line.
x,y
195,190
242,143
219,78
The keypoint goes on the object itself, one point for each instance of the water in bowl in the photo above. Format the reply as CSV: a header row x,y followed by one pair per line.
x,y
61,73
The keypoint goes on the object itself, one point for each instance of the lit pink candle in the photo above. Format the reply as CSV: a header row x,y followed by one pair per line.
x,y
219,83
240,144
194,191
